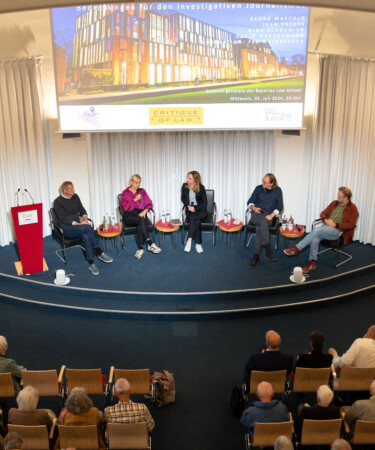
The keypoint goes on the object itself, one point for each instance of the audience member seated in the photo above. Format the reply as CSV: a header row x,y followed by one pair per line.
x,y
125,411
322,411
9,365
283,443
340,444
13,441
79,410
360,354
266,410
268,358
316,358
361,410
27,414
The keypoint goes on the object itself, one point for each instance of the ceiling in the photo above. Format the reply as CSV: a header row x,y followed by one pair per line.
x,y
7,6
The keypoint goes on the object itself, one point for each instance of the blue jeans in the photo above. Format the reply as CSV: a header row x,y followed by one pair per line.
x,y
89,240
313,239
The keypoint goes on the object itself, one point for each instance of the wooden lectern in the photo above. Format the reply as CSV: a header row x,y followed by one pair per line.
x,y
28,224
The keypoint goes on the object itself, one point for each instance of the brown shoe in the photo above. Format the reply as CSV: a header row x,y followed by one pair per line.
x,y
311,265
293,251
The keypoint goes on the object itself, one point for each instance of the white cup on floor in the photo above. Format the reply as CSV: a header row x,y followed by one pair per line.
x,y
297,275
60,279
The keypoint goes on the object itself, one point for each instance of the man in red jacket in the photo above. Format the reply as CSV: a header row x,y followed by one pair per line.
x,y
340,215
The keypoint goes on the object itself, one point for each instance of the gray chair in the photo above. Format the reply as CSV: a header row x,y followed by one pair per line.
x,y
58,234
335,244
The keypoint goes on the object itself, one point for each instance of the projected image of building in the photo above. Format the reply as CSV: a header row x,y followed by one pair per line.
x,y
256,59
130,44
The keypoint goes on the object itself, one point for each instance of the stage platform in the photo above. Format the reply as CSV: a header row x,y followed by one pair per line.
x,y
175,284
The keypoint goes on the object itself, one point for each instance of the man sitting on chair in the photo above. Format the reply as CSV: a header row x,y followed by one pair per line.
x,y
264,411
268,358
125,411
265,202
361,410
73,220
340,215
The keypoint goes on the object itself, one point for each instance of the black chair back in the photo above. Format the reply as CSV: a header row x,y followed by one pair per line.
x,y
210,200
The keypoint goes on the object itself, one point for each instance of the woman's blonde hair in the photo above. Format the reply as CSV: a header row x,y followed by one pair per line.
x,y
133,177
197,180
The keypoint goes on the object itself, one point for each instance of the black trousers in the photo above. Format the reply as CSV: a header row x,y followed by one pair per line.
x,y
195,219
132,218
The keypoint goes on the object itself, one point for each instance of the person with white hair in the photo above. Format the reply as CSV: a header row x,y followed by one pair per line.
x,y
125,411
340,444
283,443
27,414
264,411
9,365
361,410
322,411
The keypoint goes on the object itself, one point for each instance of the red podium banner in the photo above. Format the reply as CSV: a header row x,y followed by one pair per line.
x,y
28,223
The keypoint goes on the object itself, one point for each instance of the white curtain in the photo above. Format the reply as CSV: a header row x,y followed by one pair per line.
x,y
231,163
344,139
23,158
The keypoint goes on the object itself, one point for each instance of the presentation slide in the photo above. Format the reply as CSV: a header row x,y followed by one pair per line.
x,y
180,66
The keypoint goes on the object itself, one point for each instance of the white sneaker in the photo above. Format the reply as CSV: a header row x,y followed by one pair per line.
x,y
153,248
139,253
198,248
187,247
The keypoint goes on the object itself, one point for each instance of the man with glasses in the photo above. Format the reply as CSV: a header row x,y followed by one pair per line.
x,y
73,220
340,215
265,202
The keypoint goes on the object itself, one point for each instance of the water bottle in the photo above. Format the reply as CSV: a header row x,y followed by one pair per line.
x,y
168,216
290,225
114,221
229,216
106,221
225,216
163,216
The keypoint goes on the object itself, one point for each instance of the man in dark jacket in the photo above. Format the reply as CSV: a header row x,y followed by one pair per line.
x,y
73,220
265,202
268,358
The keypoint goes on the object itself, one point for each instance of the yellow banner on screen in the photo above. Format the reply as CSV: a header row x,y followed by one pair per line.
x,y
176,116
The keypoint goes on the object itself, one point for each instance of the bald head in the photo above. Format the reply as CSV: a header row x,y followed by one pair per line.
x,y
265,391
371,332
273,340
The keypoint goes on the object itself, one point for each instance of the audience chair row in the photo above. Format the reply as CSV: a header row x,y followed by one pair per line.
x,y
119,436
314,432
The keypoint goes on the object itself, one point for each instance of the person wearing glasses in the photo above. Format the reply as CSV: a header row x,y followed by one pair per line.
x,y
265,203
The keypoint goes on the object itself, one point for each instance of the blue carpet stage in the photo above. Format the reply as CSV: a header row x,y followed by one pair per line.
x,y
176,284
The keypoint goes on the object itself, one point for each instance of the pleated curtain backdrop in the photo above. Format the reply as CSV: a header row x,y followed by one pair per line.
x,y
344,139
23,158
231,163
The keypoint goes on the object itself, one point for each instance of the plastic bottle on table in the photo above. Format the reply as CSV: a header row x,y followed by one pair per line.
x,y
163,216
229,216
225,216
106,221
168,216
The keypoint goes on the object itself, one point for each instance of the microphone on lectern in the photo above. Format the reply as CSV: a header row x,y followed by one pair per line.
x,y
18,197
30,195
